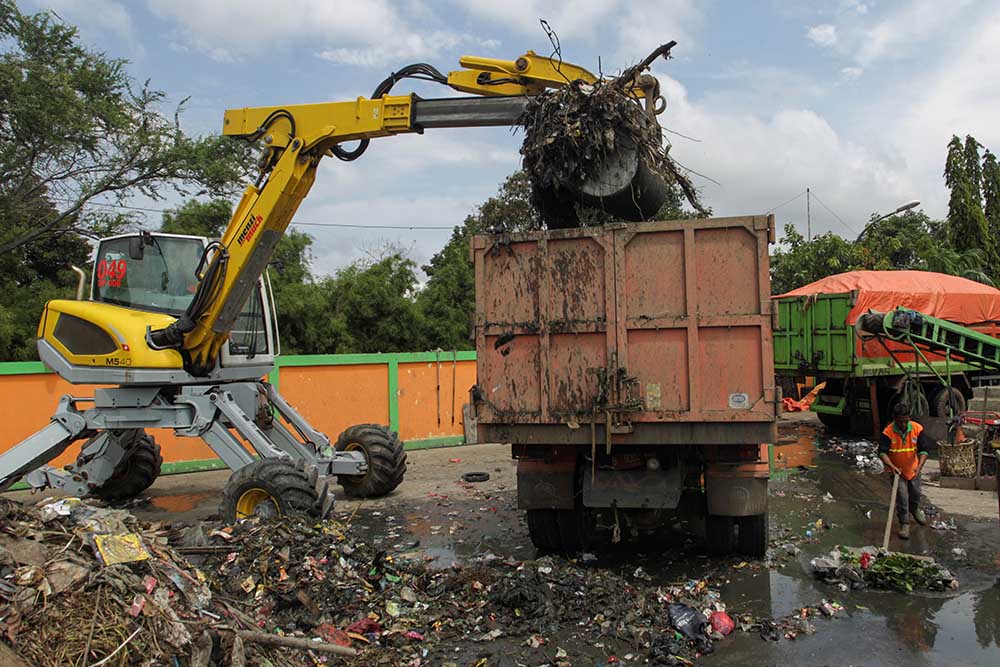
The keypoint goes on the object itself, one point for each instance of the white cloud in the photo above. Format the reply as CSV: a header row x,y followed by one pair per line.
x,y
370,33
93,15
907,28
851,73
761,160
823,35
625,30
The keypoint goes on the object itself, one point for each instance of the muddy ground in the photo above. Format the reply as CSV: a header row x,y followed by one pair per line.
x,y
435,514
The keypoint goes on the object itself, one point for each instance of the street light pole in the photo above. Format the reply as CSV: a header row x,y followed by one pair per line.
x,y
905,207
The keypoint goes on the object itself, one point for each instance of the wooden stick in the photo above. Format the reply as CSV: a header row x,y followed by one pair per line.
x,y
892,509
293,642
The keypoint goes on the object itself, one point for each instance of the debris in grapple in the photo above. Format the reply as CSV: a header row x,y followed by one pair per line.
x,y
600,145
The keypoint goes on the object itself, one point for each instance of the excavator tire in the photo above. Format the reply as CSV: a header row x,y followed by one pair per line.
x,y
137,471
385,455
270,488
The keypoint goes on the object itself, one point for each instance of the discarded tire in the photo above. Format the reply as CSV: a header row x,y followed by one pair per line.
x,y
383,450
753,538
270,488
720,534
476,477
137,471
948,401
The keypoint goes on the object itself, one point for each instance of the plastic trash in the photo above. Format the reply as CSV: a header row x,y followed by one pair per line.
x,y
689,621
721,622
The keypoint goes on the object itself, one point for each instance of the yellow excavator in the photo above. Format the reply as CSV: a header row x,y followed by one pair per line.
x,y
179,330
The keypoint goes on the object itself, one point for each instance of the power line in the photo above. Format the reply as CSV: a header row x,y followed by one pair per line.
x,y
775,208
296,223
839,219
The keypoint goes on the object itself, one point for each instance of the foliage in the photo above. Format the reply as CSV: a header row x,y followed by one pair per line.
x,y
75,129
991,196
198,218
802,262
376,306
967,228
30,276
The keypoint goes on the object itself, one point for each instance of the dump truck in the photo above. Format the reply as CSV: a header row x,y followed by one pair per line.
x,y
816,335
630,366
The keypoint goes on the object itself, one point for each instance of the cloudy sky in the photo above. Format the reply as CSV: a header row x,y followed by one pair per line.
x,y
854,99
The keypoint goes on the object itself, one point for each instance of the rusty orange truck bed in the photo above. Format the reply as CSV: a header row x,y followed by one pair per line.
x,y
631,368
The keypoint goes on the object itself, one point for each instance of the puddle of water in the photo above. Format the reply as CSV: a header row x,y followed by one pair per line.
x,y
182,502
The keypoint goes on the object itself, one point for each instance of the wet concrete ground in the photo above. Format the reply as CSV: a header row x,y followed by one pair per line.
x,y
436,515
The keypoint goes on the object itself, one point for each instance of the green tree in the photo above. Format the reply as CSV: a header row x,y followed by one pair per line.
x,y
967,228
801,262
31,275
991,196
895,243
75,129
198,218
374,305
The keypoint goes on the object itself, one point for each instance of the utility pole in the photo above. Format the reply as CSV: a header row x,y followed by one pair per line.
x,y
809,222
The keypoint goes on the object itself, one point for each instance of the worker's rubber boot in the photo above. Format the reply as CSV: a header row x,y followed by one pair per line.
x,y
920,517
904,531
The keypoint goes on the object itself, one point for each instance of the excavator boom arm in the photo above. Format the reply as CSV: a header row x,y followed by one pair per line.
x,y
297,137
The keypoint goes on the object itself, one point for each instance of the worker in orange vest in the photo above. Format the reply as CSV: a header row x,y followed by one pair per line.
x,y
903,448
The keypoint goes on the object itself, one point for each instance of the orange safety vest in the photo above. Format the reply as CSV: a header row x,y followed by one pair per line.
x,y
903,449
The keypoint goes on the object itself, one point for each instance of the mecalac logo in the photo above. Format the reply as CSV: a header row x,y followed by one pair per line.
x,y
250,228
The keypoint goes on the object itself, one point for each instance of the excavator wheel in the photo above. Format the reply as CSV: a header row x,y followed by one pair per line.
x,y
270,488
385,455
137,471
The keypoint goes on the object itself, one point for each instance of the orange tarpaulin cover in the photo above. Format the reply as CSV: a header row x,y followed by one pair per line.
x,y
936,294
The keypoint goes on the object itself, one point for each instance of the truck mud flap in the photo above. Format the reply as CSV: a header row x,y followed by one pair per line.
x,y
735,495
545,484
633,489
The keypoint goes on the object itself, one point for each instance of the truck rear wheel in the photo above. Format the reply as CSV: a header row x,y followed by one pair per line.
x,y
556,531
720,534
383,450
753,535
270,488
137,470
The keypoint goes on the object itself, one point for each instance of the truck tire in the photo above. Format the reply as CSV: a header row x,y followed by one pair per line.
x,y
555,531
137,471
270,488
543,529
945,398
720,534
753,537
385,455
835,423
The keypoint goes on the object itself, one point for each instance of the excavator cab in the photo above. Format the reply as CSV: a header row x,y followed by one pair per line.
x,y
158,273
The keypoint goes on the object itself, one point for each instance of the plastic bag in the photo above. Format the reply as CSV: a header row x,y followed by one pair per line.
x,y
687,620
721,622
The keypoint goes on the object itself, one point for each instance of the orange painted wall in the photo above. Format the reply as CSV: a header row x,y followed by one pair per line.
x,y
335,397
420,413
30,400
331,397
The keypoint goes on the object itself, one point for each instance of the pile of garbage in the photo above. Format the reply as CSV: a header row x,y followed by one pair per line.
x,y
871,567
573,134
81,583
862,452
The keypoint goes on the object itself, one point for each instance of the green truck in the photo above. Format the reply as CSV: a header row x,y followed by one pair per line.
x,y
815,337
